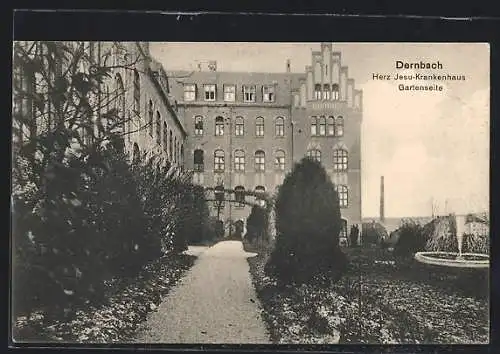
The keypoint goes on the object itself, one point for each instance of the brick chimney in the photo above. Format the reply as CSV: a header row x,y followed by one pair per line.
x,y
382,215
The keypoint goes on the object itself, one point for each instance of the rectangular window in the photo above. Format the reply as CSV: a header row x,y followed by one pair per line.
x,y
268,94
239,129
248,93
259,163
239,163
280,163
229,93
209,92
189,92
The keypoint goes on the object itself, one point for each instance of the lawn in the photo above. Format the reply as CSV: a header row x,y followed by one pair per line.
x,y
377,301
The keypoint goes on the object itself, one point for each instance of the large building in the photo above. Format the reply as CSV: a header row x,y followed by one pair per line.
x,y
137,87
241,131
245,130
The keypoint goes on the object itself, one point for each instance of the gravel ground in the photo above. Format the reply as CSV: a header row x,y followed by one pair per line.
x,y
214,303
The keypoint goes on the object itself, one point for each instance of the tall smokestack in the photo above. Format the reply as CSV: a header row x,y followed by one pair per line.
x,y
382,216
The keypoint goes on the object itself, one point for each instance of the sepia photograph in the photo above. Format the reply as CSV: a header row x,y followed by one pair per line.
x,y
250,193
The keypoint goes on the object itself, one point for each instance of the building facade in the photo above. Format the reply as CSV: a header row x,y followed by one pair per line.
x,y
137,87
245,130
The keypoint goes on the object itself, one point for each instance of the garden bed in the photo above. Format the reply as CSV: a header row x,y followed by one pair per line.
x,y
375,303
128,303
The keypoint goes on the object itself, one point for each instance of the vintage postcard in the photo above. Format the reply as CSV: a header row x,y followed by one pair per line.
x,y
250,193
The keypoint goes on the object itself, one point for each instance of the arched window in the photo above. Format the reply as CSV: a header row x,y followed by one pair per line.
x,y
314,126
322,126
198,160
239,195
170,145
259,126
219,193
314,154
317,91
219,160
198,125
340,160
339,126
158,128
136,154
239,161
279,162
331,126
120,101
343,195
280,126
239,126
219,126
137,93
165,137
335,92
150,117
176,149
326,91
182,155
260,190
260,158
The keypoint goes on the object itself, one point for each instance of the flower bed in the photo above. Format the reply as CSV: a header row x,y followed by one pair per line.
x,y
116,320
374,303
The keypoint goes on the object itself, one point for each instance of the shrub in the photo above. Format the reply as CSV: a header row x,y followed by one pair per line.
x,y
308,224
373,233
411,240
257,224
353,236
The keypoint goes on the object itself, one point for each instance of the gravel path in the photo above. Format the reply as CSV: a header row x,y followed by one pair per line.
x,y
214,303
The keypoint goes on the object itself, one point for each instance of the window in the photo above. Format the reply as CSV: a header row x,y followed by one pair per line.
x,y
260,158
248,93
198,161
322,126
229,93
239,195
335,92
326,92
315,154
219,126
280,126
343,195
165,137
170,145
239,161
137,93
326,69
339,126
317,91
239,126
314,126
150,117
260,190
331,126
259,126
219,160
176,149
219,194
209,92
340,160
189,92
158,128
198,125
279,163
268,93
120,101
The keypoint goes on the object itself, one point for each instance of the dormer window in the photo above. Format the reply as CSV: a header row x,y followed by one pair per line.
x,y
249,93
189,92
268,93
209,92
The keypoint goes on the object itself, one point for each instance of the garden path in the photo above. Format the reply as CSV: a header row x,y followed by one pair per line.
x,y
214,303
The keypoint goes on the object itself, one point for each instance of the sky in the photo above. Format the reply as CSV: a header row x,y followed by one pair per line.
x,y
431,147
